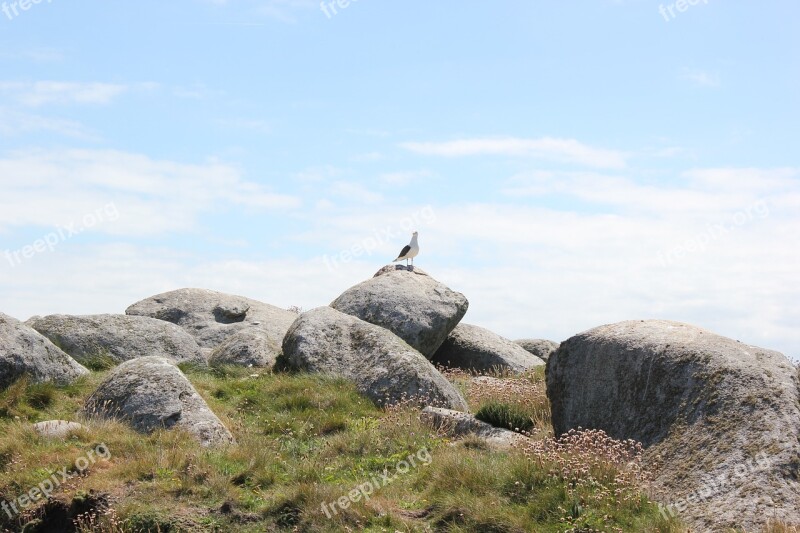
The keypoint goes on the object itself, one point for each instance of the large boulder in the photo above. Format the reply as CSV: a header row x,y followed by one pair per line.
x,y
24,351
541,348
249,347
720,420
211,317
409,303
382,366
477,349
119,337
150,393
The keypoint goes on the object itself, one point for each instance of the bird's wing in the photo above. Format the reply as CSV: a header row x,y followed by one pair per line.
x,y
404,251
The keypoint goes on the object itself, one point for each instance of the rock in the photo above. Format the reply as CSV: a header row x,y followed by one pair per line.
x,y
151,393
248,347
541,348
211,317
720,420
410,304
457,424
477,349
57,429
394,268
382,366
120,337
24,351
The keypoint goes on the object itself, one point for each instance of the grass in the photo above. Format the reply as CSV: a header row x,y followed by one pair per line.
x,y
304,441
503,415
515,402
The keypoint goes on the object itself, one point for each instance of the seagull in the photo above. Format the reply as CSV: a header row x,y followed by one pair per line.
x,y
409,251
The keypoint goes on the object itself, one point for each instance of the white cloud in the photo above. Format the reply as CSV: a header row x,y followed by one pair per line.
x,y
526,271
197,91
353,192
13,122
716,247
699,193
701,78
37,54
281,10
40,93
284,10
249,124
366,157
548,148
404,178
56,188
318,174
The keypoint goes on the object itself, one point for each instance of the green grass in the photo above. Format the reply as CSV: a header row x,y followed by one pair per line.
x,y
503,415
302,441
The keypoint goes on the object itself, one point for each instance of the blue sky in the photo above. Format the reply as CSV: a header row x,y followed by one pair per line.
x,y
566,164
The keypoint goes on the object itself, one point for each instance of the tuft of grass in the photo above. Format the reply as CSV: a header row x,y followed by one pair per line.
x,y
507,416
23,399
508,400
98,361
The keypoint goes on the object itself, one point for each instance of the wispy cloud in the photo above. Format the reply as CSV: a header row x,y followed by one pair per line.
x,y
153,196
404,178
281,10
549,148
250,124
197,91
701,78
40,93
14,123
37,54
696,193
366,157
284,10
355,193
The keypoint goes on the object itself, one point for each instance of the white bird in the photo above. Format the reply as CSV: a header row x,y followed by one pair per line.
x,y
409,251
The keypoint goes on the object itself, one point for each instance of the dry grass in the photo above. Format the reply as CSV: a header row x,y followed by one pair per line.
x,y
524,395
781,527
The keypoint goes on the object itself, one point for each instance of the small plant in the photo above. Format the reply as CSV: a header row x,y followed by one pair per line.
x,y
40,395
524,396
98,361
23,398
506,416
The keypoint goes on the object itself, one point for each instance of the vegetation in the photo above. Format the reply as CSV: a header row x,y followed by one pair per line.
x,y
305,445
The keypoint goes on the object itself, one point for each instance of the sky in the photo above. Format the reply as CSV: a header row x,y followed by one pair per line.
x,y
566,164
